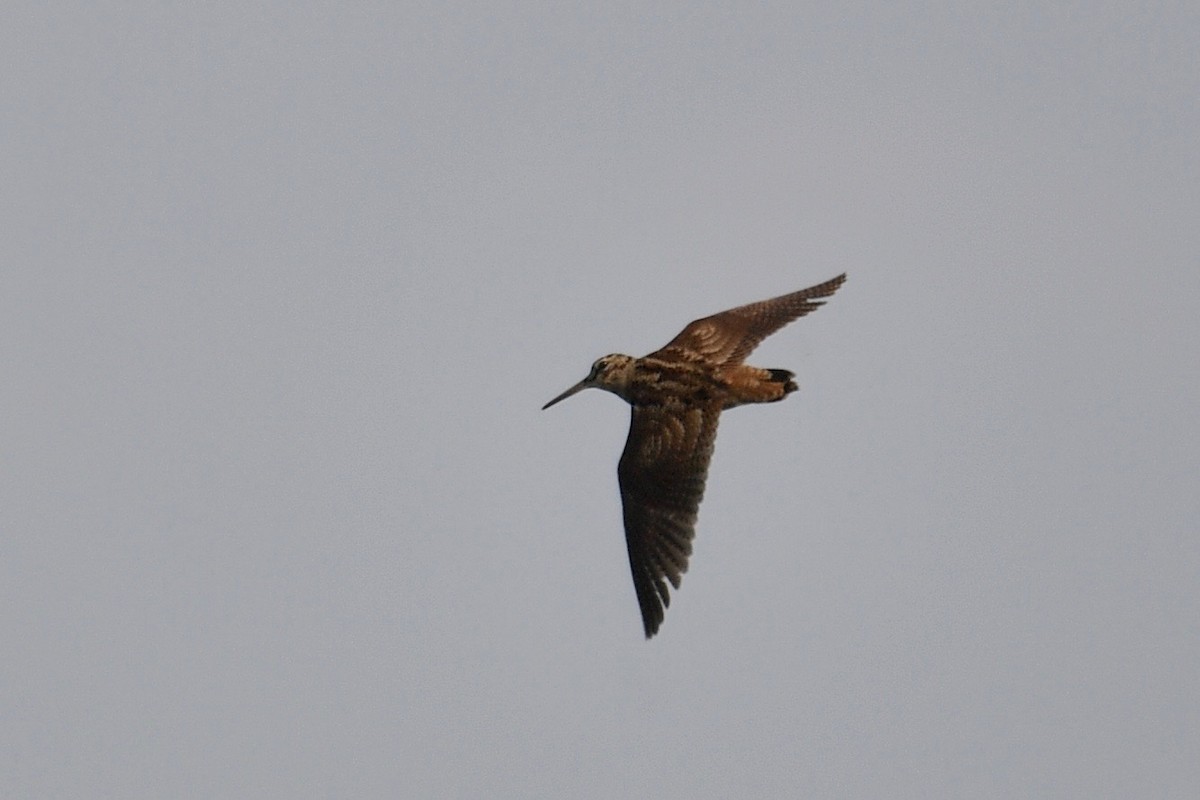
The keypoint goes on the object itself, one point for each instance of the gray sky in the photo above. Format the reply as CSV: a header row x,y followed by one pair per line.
x,y
284,286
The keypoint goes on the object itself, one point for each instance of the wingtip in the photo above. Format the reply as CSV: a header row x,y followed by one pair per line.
x,y
823,290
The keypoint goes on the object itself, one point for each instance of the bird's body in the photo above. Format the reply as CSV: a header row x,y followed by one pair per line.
x,y
677,394
657,381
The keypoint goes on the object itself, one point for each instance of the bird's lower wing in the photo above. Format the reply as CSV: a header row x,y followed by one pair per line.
x,y
662,473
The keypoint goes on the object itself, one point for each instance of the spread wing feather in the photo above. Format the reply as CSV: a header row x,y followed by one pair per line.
x,y
662,473
727,338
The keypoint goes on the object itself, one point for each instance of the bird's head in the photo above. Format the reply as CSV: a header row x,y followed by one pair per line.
x,y
611,373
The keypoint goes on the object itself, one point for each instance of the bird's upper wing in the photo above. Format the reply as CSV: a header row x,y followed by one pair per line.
x,y
728,337
662,473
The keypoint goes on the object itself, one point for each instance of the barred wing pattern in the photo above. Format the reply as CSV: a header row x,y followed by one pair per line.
x,y
662,473
727,338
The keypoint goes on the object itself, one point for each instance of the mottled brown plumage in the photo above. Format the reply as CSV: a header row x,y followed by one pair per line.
x,y
677,394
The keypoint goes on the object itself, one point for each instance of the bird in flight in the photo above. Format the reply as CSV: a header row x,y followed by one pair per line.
x,y
677,394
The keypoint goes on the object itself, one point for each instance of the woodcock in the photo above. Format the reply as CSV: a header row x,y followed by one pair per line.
x,y
677,394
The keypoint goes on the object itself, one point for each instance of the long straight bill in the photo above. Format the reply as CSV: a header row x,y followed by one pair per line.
x,y
579,387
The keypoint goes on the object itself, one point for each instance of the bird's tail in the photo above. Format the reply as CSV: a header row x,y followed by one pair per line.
x,y
757,385
785,377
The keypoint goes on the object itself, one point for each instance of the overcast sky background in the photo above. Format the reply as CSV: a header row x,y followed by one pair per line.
x,y
284,286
